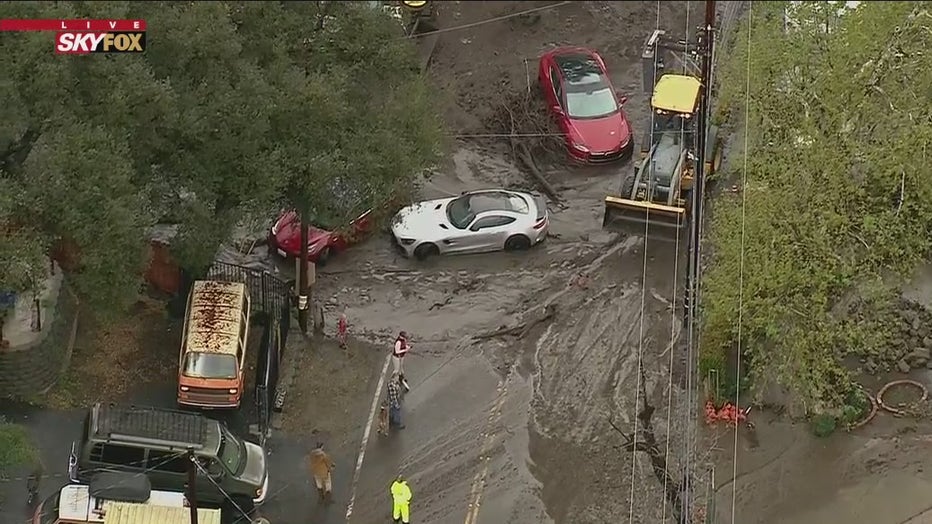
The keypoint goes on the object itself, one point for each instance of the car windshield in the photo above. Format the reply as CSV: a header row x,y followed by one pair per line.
x,y
231,452
209,365
463,210
595,103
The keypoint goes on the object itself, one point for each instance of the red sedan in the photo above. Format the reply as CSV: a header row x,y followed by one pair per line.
x,y
285,237
575,84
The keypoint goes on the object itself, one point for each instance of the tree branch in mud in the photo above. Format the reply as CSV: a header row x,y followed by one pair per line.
x,y
469,285
646,441
524,155
522,329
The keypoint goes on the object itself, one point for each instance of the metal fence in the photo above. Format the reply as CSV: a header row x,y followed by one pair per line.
x,y
268,369
269,293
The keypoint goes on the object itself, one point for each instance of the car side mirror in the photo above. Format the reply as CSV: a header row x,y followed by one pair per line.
x,y
557,110
622,99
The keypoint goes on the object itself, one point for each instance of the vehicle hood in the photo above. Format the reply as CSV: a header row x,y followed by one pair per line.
x,y
423,220
601,135
255,471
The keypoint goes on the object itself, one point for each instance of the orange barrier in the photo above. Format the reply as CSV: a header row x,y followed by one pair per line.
x,y
728,413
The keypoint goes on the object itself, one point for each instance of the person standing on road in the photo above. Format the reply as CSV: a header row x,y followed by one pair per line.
x,y
394,402
342,329
321,466
401,498
398,354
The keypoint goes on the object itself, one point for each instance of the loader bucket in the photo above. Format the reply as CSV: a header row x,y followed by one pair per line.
x,y
635,218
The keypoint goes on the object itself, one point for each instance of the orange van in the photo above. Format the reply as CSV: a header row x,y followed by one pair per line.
x,y
213,345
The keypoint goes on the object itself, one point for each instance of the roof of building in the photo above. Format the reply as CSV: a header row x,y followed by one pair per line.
x,y
215,316
77,502
676,94
129,513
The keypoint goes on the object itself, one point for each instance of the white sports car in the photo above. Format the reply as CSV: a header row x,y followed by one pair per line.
x,y
474,222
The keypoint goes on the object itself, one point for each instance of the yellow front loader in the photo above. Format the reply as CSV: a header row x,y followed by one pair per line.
x,y
654,199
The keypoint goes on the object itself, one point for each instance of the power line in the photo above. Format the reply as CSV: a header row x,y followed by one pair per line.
x,y
222,491
507,135
676,261
489,21
639,368
744,198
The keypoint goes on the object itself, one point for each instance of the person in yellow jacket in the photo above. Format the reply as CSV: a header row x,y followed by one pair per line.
x,y
401,497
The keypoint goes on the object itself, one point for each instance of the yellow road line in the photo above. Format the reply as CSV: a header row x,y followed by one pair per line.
x,y
478,484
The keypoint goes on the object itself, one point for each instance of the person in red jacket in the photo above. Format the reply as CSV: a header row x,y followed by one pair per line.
x,y
398,354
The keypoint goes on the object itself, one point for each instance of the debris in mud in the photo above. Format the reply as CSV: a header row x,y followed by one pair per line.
x,y
904,408
523,117
523,120
524,154
469,285
521,329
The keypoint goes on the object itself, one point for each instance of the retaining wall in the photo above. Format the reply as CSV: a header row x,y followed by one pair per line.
x,y
33,368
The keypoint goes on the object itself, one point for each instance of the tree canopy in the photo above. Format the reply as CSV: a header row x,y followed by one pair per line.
x,y
838,201
235,108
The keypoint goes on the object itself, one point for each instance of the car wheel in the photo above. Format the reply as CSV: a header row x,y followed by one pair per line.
x,y
425,251
324,256
517,243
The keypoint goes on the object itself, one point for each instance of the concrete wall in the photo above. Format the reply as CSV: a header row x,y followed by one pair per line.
x,y
33,367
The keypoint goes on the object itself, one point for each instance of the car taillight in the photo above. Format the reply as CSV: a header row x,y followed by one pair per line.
x,y
541,223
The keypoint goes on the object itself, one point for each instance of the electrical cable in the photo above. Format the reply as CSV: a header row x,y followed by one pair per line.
x,y
507,135
744,198
489,21
639,368
129,476
221,490
673,319
125,479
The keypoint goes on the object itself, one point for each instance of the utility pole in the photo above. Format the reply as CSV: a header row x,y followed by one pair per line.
x,y
706,42
192,486
303,304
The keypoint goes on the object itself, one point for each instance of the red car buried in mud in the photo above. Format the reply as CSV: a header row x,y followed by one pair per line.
x,y
285,237
575,83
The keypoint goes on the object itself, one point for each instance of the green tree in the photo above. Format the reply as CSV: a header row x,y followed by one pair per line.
x,y
838,197
235,109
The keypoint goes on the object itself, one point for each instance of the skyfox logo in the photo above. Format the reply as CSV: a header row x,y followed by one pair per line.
x,y
85,43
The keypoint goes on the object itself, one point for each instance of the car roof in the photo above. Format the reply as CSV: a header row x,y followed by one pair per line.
x,y
215,317
164,427
676,94
579,67
499,200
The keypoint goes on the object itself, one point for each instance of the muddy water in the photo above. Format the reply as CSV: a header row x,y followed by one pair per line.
x,y
498,421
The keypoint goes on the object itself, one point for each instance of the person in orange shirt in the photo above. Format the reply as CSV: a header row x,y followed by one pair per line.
x,y
321,465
